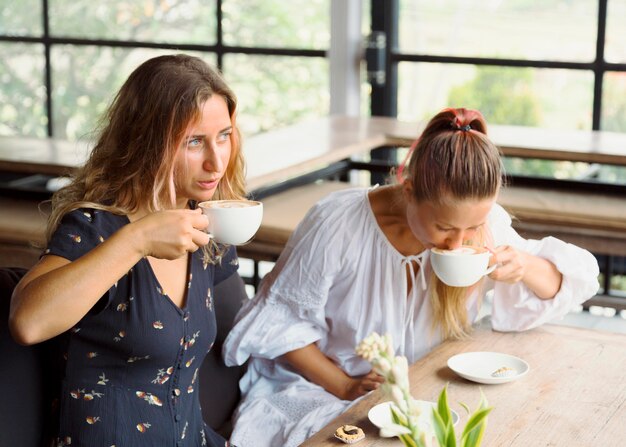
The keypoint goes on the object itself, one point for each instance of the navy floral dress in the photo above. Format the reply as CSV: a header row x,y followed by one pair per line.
x,y
130,375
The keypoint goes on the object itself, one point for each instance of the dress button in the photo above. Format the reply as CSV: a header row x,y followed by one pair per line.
x,y
177,418
186,315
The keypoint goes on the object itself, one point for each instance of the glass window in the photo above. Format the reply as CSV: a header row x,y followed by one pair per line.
x,y
614,102
275,91
547,30
21,18
550,98
615,46
171,21
84,80
303,24
22,91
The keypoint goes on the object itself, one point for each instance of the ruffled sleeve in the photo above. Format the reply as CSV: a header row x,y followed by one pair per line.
x,y
288,311
78,233
515,306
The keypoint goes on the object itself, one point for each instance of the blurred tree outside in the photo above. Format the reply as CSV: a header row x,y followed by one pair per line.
x,y
22,91
272,90
507,96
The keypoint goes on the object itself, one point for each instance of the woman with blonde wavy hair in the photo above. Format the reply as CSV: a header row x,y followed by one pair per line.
x,y
360,262
122,282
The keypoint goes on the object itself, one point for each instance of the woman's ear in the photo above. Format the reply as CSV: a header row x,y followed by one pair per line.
x,y
407,189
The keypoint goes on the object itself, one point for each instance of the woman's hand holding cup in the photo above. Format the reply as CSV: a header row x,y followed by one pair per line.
x,y
173,233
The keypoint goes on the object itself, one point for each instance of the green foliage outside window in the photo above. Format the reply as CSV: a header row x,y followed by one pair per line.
x,y
504,96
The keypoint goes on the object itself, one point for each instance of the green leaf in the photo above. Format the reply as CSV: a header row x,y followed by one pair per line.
x,y
443,407
451,441
439,427
465,407
397,416
408,441
475,427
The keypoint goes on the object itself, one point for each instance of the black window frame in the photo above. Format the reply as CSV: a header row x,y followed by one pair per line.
x,y
219,49
384,97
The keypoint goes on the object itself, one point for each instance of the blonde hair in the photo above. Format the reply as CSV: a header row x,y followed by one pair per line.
x,y
454,160
132,162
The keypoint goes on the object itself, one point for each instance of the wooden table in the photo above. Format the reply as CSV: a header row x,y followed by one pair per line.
x,y
301,148
574,394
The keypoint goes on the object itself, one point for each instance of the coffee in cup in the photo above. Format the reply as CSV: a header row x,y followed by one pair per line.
x,y
232,222
461,267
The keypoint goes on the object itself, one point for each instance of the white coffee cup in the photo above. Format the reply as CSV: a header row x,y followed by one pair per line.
x,y
232,222
461,267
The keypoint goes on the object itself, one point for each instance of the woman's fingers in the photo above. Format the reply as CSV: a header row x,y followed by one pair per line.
x,y
510,264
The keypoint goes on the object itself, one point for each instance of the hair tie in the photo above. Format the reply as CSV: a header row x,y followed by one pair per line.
x,y
457,126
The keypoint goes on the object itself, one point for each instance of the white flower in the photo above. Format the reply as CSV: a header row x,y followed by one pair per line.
x,y
392,430
398,397
382,366
400,372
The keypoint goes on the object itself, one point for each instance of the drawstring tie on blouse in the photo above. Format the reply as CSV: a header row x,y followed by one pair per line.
x,y
412,298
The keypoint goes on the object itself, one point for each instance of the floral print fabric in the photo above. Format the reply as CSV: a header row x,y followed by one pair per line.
x,y
132,363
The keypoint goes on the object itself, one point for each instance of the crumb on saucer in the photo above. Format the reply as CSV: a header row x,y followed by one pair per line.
x,y
505,371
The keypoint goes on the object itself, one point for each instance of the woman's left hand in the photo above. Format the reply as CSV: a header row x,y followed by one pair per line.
x,y
511,264
538,274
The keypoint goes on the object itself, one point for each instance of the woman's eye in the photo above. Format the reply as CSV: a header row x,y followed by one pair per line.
x,y
225,136
194,143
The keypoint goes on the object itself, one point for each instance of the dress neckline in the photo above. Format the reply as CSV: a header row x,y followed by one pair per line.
x,y
382,234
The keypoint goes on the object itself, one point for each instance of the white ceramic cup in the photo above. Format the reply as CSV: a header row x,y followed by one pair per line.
x,y
232,222
461,267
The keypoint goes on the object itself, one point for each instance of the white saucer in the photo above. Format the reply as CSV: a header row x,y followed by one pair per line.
x,y
380,415
479,366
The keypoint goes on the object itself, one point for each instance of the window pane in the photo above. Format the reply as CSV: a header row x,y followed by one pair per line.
x,y
560,99
84,81
22,90
303,24
274,91
21,18
614,102
172,21
569,170
545,30
615,49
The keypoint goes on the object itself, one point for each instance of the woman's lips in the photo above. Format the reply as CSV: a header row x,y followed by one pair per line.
x,y
208,184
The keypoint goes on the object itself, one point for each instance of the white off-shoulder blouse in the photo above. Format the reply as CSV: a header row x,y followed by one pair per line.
x,y
338,280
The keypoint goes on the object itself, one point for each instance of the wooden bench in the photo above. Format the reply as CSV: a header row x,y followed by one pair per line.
x,y
593,221
22,232
282,212
596,222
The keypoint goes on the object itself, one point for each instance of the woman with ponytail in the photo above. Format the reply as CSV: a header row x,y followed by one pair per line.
x,y
126,280
359,262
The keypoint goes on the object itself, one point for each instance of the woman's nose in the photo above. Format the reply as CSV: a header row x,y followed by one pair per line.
x,y
455,241
212,161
